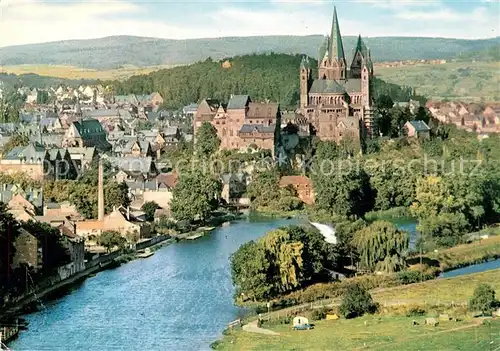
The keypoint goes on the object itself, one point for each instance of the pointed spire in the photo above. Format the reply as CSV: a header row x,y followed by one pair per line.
x,y
303,62
361,47
323,49
336,46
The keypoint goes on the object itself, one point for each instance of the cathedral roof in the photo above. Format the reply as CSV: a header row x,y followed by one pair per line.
x,y
329,86
238,102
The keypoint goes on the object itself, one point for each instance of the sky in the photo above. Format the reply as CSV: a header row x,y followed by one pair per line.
x,y
36,21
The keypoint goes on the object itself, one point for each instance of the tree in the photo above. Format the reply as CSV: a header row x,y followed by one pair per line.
x,y
249,269
207,141
54,250
265,192
381,246
483,299
356,301
285,258
195,196
9,230
282,261
111,239
344,193
15,141
149,209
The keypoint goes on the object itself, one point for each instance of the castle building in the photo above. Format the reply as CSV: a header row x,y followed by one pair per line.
x,y
338,104
241,123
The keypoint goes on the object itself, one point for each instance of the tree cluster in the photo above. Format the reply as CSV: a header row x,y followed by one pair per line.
x,y
282,261
266,194
195,196
83,192
450,183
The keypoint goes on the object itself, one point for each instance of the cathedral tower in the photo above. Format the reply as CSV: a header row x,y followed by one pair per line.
x,y
333,65
305,80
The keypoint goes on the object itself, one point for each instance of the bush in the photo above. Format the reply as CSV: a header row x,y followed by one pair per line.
x,y
415,312
356,302
318,314
483,299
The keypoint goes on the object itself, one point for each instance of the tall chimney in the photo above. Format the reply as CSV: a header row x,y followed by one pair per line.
x,y
100,203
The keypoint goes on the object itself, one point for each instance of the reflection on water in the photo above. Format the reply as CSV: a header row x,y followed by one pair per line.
x,y
476,268
178,299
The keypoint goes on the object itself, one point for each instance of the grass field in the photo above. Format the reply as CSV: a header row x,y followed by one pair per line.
x,y
71,72
390,331
467,81
372,333
458,289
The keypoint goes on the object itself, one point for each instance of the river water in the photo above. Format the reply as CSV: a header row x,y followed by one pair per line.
x,y
178,299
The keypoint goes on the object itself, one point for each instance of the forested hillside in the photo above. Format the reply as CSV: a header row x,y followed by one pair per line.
x,y
273,77
116,51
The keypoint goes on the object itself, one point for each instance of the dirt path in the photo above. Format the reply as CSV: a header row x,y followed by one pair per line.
x,y
253,327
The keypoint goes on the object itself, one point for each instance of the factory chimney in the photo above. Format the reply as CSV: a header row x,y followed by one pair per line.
x,y
100,203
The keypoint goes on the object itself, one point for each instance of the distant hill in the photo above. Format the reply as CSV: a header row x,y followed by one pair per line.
x,y
116,51
491,53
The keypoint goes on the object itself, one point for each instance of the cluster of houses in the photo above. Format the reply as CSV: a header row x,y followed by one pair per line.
x,y
61,139
480,118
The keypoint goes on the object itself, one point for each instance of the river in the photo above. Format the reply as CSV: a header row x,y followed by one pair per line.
x,y
178,299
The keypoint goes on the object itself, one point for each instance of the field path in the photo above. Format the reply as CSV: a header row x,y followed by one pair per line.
x,y
253,327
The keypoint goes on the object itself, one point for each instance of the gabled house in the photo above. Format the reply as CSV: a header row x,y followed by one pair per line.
x,y
135,148
302,185
83,157
28,251
86,133
417,129
38,162
134,167
115,221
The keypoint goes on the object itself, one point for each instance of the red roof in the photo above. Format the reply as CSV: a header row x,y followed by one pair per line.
x,y
168,179
294,180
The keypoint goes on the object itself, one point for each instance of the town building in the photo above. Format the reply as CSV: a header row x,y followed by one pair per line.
x,y
86,133
302,185
417,129
338,103
28,251
38,162
241,123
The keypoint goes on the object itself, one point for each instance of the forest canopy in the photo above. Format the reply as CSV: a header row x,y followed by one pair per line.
x,y
264,77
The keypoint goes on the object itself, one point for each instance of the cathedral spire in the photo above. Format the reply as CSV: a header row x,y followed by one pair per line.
x,y
336,46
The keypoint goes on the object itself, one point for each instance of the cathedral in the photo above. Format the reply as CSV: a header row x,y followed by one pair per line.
x,y
338,104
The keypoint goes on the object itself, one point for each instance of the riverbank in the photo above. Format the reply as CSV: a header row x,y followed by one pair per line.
x,y
52,285
391,324
183,294
452,258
